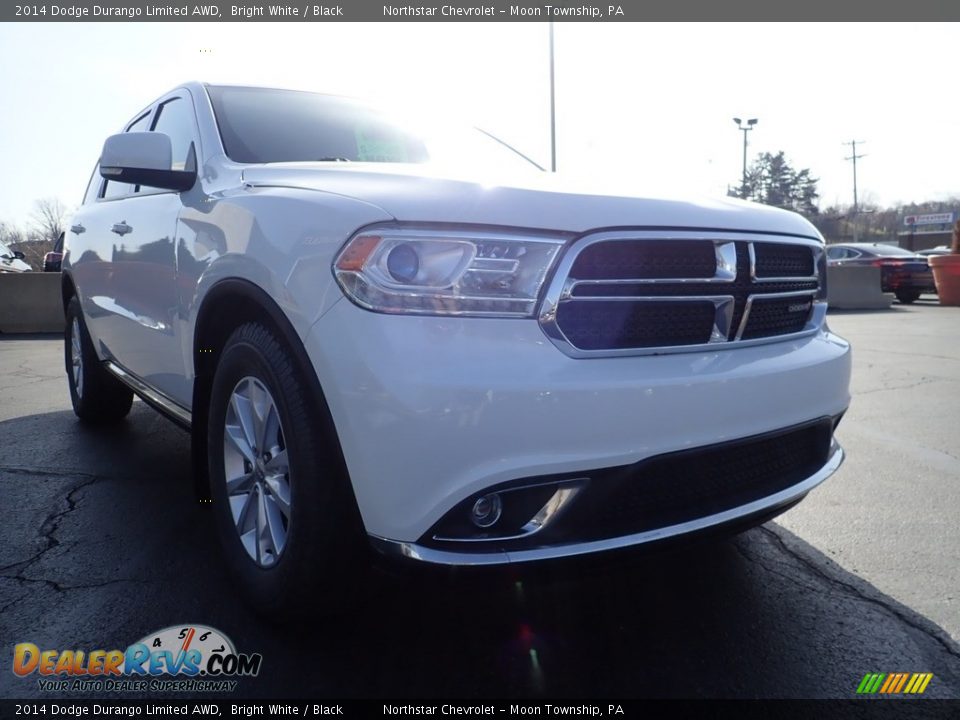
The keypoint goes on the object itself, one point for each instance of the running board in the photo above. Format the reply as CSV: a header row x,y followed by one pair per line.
x,y
158,400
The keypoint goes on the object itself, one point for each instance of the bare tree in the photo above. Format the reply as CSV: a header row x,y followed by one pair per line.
x,y
47,217
10,234
46,224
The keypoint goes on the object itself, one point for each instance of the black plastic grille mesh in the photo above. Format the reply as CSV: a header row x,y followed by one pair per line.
x,y
684,486
646,260
779,260
598,325
781,316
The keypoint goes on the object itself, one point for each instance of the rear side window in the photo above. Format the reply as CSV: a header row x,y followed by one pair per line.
x,y
115,189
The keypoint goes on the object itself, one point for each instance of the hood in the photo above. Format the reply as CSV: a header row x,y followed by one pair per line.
x,y
414,193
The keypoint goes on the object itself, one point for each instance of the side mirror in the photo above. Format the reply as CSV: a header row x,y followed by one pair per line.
x,y
145,158
17,255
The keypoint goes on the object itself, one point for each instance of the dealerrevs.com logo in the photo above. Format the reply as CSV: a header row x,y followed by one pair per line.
x,y
182,658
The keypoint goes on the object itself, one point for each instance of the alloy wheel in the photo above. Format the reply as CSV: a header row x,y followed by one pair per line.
x,y
256,471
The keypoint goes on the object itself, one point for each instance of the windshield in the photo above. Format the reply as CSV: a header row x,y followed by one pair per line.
x,y
262,125
5,251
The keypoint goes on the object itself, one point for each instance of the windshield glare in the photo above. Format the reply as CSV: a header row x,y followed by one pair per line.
x,y
262,125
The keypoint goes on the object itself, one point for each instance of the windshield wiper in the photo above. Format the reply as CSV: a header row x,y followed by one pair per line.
x,y
333,159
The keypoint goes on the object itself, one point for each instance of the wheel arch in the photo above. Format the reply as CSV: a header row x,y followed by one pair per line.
x,y
227,305
67,289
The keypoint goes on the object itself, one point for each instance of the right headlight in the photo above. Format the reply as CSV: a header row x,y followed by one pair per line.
x,y
440,272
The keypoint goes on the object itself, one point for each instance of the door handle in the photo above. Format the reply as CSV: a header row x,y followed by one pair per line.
x,y
121,228
77,229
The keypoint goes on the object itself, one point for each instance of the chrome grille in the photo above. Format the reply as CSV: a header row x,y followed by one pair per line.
x,y
645,292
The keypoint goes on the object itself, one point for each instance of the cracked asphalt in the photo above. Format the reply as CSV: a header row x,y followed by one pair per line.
x,y
104,542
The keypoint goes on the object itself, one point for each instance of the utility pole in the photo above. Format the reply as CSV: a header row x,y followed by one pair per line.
x,y
856,206
744,129
553,110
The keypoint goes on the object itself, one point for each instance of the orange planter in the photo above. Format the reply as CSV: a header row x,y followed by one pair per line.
x,y
946,274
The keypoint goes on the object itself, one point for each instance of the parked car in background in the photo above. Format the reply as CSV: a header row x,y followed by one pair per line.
x,y
902,272
939,250
421,345
52,260
11,261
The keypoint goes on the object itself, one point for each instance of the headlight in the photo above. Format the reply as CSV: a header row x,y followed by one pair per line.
x,y
435,272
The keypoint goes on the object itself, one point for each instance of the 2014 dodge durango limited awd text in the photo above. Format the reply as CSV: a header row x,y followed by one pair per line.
x,y
417,343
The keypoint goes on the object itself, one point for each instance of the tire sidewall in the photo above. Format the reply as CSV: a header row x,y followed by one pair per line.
x,y
274,587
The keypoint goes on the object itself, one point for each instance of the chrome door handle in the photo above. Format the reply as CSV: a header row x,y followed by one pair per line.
x,y
77,229
121,228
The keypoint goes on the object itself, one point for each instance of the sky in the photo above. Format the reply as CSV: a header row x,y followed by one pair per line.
x,y
648,105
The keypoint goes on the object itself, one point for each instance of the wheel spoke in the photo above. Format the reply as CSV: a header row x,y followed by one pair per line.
x,y
279,493
247,518
270,429
241,484
238,439
245,415
277,465
273,533
258,410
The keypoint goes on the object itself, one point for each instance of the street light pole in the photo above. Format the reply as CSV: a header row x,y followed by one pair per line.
x,y
744,129
553,110
856,204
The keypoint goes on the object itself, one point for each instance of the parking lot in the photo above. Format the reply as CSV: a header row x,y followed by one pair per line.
x,y
105,542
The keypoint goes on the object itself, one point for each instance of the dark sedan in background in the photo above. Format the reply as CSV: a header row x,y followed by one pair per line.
x,y
902,272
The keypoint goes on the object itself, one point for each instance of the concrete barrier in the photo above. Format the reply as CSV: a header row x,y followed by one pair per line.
x,y
851,287
30,302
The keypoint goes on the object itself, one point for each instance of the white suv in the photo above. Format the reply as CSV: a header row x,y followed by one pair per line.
x,y
420,344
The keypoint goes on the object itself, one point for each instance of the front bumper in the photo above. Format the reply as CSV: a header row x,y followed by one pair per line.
x,y
762,509
431,411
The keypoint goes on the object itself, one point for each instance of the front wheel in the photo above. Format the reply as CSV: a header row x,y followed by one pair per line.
x,y
907,296
284,516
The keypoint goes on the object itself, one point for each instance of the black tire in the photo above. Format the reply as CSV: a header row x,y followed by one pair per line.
x,y
322,563
907,296
97,396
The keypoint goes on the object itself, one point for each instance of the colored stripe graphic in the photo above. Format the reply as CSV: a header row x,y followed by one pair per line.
x,y
891,682
903,681
894,683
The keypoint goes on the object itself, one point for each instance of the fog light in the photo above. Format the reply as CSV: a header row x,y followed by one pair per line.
x,y
486,510
403,263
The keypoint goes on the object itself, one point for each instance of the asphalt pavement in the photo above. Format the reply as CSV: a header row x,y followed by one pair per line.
x,y
104,542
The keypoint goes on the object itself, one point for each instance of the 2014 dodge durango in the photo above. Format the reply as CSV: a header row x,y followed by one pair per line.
x,y
416,343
